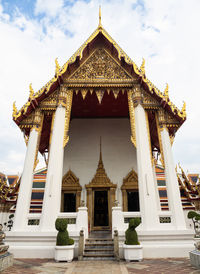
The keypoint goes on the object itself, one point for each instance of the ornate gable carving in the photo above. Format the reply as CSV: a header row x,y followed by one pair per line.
x,y
70,182
100,66
130,181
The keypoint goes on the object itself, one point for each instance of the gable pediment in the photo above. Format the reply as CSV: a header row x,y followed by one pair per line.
x,y
130,181
100,66
70,182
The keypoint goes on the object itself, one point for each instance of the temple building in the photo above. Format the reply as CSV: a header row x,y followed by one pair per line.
x,y
101,126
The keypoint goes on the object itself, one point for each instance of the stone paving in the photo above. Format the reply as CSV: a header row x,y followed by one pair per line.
x,y
45,266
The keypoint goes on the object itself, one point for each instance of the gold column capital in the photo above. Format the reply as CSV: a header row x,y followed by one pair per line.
x,y
62,97
137,95
161,119
37,120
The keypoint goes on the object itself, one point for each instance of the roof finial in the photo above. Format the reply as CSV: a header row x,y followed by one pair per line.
x,y
99,17
100,158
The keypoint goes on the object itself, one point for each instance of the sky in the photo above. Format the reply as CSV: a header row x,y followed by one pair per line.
x,y
35,32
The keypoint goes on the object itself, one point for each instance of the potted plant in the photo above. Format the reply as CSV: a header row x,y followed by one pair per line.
x,y
132,248
64,250
195,254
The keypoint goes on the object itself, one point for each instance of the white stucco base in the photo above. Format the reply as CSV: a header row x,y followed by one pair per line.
x,y
35,244
163,244
156,244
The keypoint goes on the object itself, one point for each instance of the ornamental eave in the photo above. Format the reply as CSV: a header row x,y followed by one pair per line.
x,y
46,90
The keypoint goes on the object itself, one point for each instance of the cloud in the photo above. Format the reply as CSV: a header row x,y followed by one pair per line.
x,y
48,7
165,33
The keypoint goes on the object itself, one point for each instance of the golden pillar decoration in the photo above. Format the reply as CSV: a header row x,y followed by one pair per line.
x,y
69,96
37,125
160,123
132,117
52,123
149,136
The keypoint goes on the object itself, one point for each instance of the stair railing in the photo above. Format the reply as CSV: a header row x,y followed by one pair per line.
x,y
116,245
81,246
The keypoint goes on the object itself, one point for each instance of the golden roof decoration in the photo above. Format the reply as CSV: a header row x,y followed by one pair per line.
x,y
121,54
100,26
31,94
57,71
166,91
183,110
142,67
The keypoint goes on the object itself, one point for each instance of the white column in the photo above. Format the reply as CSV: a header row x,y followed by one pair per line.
x,y
147,194
52,195
25,190
173,192
156,187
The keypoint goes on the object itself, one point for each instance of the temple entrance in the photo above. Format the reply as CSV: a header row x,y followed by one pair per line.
x,y
101,217
100,199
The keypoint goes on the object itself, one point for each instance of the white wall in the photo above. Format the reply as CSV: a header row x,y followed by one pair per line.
x,y
81,154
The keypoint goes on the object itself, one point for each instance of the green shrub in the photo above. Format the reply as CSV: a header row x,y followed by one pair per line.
x,y
192,214
196,222
63,235
131,234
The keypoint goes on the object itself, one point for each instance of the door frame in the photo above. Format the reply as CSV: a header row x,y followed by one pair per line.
x,y
90,205
93,227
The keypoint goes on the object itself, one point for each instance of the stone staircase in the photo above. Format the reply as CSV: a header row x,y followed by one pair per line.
x,y
99,246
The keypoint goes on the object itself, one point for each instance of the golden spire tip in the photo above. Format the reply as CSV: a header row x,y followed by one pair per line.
x,y
99,15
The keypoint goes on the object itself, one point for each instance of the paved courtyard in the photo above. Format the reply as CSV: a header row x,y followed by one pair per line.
x,y
43,266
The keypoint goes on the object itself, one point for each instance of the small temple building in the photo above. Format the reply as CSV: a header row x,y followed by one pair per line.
x,y
101,126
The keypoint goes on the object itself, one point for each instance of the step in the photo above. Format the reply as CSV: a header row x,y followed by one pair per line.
x,y
99,241
99,251
98,255
100,248
99,258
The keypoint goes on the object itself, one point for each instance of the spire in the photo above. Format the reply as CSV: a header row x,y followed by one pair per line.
x,y
100,156
100,26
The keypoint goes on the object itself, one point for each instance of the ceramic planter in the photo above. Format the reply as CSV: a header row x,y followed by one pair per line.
x,y
133,252
64,253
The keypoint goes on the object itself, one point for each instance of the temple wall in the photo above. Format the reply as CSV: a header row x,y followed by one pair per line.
x,y
81,154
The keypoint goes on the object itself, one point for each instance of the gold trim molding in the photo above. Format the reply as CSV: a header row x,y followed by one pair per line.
x,y
132,117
